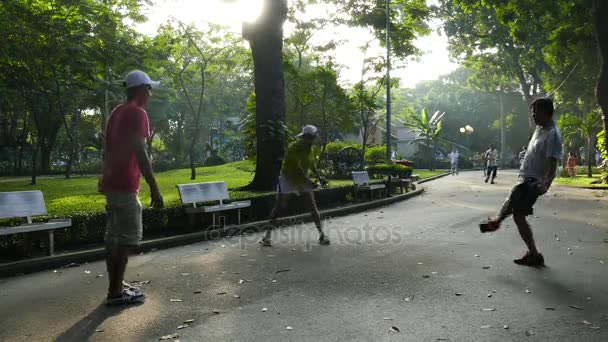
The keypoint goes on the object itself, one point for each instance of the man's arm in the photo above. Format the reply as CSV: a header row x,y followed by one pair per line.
x,y
551,171
146,169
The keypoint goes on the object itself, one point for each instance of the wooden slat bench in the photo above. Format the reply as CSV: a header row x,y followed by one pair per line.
x,y
20,204
361,182
196,193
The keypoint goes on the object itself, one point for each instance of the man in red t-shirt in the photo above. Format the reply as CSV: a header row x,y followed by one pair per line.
x,y
125,160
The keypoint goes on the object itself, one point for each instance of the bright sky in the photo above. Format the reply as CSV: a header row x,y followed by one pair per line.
x,y
432,64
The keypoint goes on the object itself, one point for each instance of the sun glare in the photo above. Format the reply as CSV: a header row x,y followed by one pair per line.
x,y
249,10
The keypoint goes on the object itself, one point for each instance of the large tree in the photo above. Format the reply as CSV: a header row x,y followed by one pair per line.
x,y
265,38
600,13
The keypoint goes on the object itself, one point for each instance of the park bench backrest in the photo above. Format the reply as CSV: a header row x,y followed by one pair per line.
x,y
203,192
360,177
22,204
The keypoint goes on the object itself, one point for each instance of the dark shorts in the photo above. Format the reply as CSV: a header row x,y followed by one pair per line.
x,y
523,196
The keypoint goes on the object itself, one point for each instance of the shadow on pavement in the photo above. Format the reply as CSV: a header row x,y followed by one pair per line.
x,y
83,329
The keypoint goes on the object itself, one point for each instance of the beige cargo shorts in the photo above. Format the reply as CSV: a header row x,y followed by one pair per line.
x,y
124,226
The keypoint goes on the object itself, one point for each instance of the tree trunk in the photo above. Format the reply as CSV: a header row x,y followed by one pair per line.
x,y
192,154
600,13
266,40
35,150
45,158
68,166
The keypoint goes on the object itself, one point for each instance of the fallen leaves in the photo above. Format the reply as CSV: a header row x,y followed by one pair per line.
x,y
489,309
176,300
408,299
458,294
169,337
394,329
282,271
575,307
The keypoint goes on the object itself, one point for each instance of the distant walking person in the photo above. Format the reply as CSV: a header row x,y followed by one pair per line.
x,y
571,165
491,156
125,160
535,177
294,181
454,161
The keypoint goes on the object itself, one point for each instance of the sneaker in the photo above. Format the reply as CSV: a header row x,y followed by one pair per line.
x,y
127,297
531,260
489,226
487,180
324,240
266,242
135,289
492,182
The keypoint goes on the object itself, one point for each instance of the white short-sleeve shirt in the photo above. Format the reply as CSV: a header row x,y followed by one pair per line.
x,y
546,143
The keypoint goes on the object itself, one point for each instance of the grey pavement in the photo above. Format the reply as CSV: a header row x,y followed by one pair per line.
x,y
420,266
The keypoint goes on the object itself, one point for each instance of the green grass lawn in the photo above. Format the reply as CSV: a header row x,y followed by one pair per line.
x,y
79,194
581,181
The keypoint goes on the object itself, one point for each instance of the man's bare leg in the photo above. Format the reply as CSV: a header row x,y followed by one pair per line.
x,y
532,257
506,210
309,198
116,261
277,211
526,233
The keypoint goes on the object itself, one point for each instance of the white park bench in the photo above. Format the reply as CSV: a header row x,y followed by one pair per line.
x,y
20,204
196,193
361,182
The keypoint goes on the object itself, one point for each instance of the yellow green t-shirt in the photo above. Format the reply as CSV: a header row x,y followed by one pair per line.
x,y
298,155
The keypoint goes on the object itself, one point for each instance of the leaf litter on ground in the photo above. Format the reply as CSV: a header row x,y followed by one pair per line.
x,y
169,337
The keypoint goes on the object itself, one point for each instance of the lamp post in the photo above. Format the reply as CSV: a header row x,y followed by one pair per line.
x,y
467,131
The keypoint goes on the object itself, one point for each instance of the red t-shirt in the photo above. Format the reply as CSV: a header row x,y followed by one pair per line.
x,y
121,171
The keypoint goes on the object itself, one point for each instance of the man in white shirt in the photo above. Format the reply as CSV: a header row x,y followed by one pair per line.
x,y
491,157
535,177
454,161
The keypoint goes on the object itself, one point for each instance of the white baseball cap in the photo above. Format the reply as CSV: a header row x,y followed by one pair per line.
x,y
309,130
137,78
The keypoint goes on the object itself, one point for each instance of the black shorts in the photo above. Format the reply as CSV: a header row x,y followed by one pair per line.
x,y
523,196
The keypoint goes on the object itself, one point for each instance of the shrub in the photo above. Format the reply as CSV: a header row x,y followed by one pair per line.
x,y
392,169
375,155
334,147
215,160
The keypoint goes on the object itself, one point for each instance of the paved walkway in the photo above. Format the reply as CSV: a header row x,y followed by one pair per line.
x,y
420,266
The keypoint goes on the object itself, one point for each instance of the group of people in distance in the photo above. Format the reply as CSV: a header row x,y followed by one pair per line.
x,y
126,160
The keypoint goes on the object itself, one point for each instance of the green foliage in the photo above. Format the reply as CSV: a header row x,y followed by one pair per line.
x,y
336,146
601,144
390,169
248,128
215,160
375,155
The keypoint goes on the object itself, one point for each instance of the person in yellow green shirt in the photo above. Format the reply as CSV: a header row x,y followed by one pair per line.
x,y
294,180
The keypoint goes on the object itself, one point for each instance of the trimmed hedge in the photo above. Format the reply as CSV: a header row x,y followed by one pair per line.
x,y
392,169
